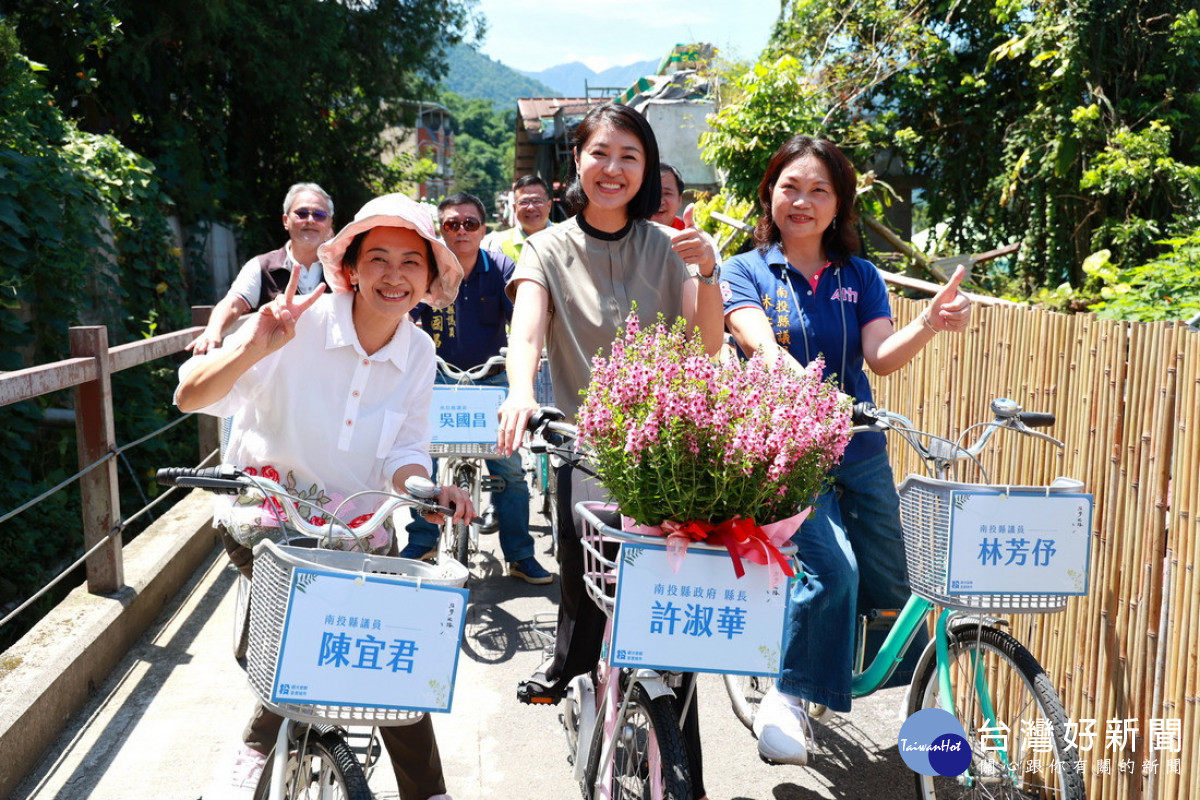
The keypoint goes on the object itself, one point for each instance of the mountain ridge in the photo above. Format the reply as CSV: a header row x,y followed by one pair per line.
x,y
572,78
474,75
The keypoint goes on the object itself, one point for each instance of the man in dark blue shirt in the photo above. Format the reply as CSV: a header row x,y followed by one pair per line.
x,y
467,334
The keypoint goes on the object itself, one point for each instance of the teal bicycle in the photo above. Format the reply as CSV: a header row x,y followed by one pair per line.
x,y
1014,720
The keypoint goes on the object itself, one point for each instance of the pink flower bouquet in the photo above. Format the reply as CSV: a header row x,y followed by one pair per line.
x,y
676,437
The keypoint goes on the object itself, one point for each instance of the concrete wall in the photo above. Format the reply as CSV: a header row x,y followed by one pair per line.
x,y
50,673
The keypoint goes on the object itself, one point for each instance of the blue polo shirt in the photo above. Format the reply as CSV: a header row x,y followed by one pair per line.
x,y
808,321
473,329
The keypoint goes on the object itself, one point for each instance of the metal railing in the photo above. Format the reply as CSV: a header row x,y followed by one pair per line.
x,y
89,372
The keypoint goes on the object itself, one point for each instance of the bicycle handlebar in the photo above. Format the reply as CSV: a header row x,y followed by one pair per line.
x,y
226,479
942,454
549,434
493,366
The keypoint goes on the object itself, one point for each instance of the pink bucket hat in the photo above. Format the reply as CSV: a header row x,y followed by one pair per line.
x,y
394,211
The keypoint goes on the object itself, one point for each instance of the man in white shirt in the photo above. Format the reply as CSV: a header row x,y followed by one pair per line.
x,y
308,219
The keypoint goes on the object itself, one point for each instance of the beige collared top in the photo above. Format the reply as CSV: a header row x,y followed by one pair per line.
x,y
594,279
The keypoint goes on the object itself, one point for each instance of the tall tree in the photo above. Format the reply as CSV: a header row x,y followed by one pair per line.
x,y
235,100
484,137
1066,124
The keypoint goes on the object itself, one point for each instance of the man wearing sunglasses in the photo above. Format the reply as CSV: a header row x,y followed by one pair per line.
x,y
467,334
531,202
308,219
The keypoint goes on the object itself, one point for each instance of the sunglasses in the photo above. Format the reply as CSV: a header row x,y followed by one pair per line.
x,y
467,225
304,213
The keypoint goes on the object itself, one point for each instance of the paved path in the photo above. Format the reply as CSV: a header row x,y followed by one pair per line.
x,y
158,728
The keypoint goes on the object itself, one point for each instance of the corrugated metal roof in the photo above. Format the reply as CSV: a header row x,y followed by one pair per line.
x,y
534,109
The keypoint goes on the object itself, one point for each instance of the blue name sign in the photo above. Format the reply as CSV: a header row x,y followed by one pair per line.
x,y
369,640
702,618
1019,542
465,414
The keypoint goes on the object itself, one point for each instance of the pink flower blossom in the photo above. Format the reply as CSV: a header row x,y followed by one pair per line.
x,y
676,436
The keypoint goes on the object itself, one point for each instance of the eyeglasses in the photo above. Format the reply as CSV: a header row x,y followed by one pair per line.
x,y
304,213
531,202
469,224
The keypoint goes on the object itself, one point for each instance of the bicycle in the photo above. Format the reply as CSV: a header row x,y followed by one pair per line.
x,y
315,754
971,667
623,723
461,465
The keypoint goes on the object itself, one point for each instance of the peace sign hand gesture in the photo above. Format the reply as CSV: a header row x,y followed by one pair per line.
x,y
275,323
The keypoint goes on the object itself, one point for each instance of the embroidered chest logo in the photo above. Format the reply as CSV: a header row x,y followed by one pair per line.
x,y
845,294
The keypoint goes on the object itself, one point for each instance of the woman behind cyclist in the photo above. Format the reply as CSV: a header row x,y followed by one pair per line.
x,y
331,393
801,294
573,287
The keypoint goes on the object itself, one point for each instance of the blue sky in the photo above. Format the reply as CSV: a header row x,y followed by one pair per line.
x,y
532,35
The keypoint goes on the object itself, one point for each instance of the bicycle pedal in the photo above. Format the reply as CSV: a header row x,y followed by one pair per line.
x,y
534,693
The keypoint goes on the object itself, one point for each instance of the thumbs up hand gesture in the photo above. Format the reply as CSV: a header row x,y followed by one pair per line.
x,y
693,245
950,309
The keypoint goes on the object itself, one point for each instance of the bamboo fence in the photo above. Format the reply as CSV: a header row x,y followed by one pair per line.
x,y
1126,397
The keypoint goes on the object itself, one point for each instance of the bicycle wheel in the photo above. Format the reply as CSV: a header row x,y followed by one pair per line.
x,y
464,478
321,766
552,505
988,667
649,760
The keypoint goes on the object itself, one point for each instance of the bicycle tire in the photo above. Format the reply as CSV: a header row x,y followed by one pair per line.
x,y
552,506
241,617
321,765
1019,689
648,744
465,479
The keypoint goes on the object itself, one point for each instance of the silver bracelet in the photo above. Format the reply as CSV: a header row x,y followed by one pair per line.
x,y
710,280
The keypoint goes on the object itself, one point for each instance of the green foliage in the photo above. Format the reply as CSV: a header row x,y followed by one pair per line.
x,y
404,173
1067,125
484,139
1166,288
473,75
729,239
83,240
235,101
770,104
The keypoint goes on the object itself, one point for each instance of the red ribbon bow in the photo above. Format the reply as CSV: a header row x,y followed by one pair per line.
x,y
740,536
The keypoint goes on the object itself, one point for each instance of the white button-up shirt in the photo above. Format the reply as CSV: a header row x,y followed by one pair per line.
x,y
325,419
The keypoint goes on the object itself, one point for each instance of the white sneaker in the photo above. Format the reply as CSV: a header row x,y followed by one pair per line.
x,y
783,729
239,776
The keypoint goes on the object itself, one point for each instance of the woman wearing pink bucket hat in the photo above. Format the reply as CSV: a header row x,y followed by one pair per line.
x,y
332,392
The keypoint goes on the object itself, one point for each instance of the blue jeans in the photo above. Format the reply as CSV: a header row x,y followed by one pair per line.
x,y
511,505
853,554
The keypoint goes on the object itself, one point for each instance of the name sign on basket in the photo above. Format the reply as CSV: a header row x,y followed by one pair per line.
x,y
369,640
465,414
1019,542
702,618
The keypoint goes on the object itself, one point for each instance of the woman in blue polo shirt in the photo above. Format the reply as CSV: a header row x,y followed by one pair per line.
x,y
801,293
